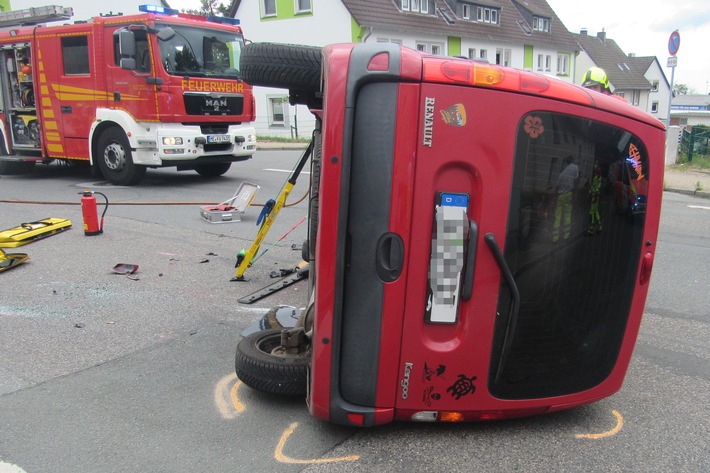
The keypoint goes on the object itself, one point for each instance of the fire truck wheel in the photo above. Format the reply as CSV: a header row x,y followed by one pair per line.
x,y
263,370
285,66
212,170
115,159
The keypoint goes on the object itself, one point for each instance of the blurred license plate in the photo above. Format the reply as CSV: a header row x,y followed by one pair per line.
x,y
218,138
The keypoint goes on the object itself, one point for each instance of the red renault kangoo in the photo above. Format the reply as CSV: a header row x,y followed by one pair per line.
x,y
467,257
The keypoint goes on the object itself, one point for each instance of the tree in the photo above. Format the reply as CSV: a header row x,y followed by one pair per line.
x,y
213,8
682,89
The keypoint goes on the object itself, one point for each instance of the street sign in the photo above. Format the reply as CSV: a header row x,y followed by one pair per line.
x,y
672,61
674,43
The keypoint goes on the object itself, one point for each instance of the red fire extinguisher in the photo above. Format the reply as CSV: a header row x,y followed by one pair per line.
x,y
89,212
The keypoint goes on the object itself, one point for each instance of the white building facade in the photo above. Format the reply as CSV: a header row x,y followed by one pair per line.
x,y
322,22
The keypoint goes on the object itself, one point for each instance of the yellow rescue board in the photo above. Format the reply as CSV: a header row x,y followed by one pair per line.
x,y
29,232
10,260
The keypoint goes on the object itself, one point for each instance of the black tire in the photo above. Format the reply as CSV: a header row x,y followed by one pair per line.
x,y
262,371
115,159
309,249
212,170
286,66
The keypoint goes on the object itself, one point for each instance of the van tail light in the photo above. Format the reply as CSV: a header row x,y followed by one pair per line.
x,y
460,72
454,416
472,73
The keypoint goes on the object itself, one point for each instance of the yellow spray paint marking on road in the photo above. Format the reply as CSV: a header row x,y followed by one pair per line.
x,y
225,397
608,433
279,456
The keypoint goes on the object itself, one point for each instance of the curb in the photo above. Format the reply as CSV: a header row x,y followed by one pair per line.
x,y
701,194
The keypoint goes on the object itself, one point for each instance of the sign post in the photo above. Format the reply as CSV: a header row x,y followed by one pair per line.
x,y
673,46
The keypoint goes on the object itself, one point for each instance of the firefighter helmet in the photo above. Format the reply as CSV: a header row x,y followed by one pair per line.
x,y
595,76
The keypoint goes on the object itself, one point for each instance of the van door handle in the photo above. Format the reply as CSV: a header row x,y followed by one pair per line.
x,y
467,290
389,257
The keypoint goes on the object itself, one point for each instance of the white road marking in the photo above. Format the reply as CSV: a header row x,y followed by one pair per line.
x,y
703,207
283,170
10,468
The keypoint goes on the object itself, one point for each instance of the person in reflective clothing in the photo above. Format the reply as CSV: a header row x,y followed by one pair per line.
x,y
566,183
595,224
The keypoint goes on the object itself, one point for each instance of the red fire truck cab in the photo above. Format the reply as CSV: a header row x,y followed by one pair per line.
x,y
463,266
125,93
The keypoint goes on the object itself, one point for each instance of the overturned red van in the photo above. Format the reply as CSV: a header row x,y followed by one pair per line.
x,y
464,263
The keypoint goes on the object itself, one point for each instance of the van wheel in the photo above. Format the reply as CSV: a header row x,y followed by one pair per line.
x,y
116,159
286,66
263,369
212,170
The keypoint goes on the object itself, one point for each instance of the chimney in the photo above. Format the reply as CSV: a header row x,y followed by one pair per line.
x,y
583,31
602,36
632,54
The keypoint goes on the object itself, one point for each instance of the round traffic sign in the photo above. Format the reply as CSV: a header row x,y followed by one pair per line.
x,y
674,43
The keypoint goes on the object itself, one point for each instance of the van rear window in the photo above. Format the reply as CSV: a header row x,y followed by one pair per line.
x,y
575,228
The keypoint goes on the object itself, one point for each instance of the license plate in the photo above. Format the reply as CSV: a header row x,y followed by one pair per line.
x,y
218,138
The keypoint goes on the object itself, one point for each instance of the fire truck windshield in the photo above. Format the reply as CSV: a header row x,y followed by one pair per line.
x,y
201,52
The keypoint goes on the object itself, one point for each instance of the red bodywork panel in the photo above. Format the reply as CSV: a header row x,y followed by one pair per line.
x,y
447,134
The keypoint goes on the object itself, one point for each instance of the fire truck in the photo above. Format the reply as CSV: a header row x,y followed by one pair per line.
x,y
123,93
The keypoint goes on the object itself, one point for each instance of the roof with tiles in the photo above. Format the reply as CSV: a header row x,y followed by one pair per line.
x,y
623,72
446,17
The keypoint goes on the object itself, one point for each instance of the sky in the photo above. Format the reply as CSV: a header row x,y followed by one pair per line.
x,y
643,27
638,26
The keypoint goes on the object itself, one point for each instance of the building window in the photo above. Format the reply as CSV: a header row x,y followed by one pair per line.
x,y
303,6
548,63
654,86
484,54
654,107
268,7
389,40
472,53
635,97
540,62
487,15
431,48
466,11
277,115
541,24
562,64
75,52
503,57
417,6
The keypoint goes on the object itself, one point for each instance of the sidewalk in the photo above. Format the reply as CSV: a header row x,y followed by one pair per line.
x,y
276,145
686,182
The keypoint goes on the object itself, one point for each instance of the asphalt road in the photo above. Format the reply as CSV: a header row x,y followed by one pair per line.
x,y
103,373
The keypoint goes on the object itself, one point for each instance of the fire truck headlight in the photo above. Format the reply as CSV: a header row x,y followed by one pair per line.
x,y
172,141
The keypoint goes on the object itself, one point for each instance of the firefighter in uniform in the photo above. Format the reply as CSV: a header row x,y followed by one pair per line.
x,y
595,223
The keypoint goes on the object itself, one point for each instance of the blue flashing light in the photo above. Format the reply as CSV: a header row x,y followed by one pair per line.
x,y
224,20
157,9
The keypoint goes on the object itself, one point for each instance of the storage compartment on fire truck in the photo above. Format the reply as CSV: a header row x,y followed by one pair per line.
x,y
19,96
